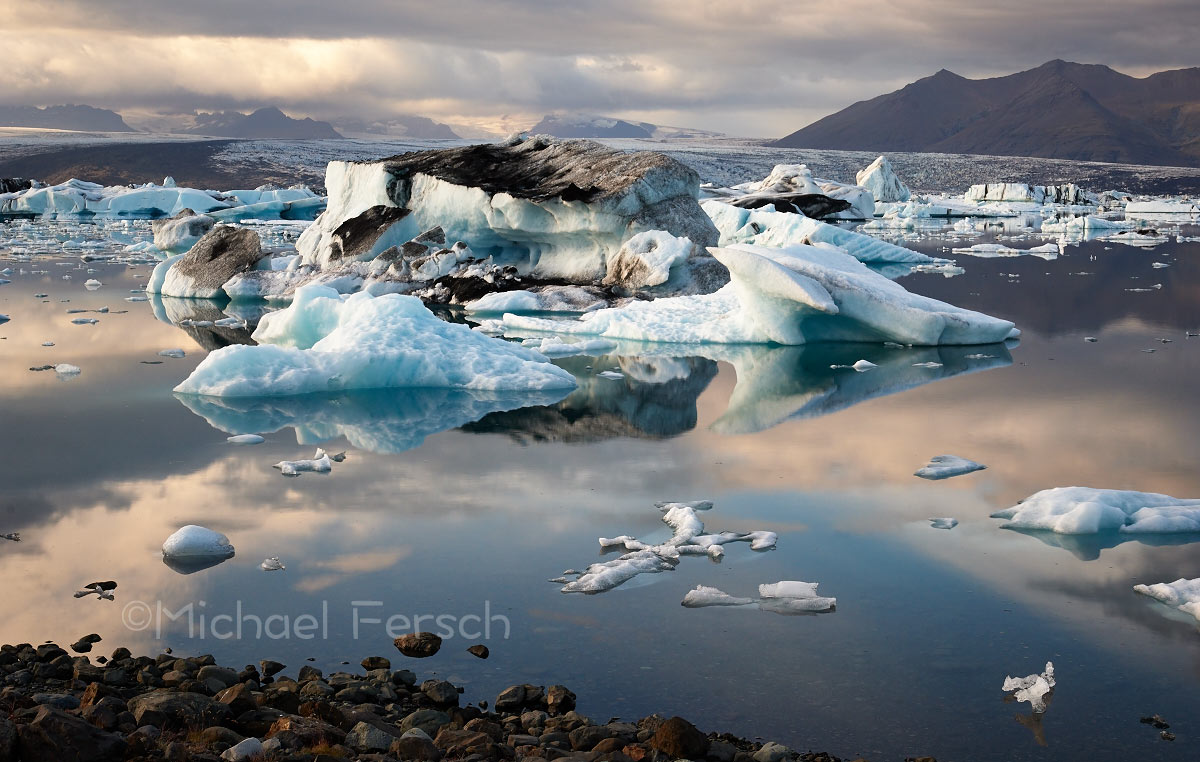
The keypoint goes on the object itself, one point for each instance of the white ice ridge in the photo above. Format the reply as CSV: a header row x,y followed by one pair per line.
x,y
194,541
946,466
766,227
77,198
1182,594
642,557
1034,688
787,597
320,463
324,343
1085,510
790,296
881,180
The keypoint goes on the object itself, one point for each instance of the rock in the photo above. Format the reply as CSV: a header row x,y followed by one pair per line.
x,y
463,743
243,750
516,697
479,650
57,700
375,662
404,677
271,668
559,699
680,739
415,746
365,234
428,721
307,673
585,738
55,736
772,752
307,731
238,698
8,740
218,734
258,721
367,737
418,645
440,692
225,676
174,709
720,751
222,253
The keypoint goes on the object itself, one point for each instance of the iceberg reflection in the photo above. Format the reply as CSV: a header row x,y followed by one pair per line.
x,y
1087,547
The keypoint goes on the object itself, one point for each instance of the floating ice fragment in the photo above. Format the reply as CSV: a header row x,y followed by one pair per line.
x,y
946,466
14,536
943,523
245,439
788,589
702,596
92,284
1090,339
85,321
1182,594
1086,510
863,365
47,343
929,364
64,369
1159,265
610,374
272,564
1033,688
319,464
174,352
193,548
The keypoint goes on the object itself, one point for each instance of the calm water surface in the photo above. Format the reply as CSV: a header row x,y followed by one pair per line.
x,y
460,505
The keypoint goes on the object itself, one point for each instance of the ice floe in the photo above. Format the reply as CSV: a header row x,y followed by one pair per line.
x,y
245,439
1182,594
787,597
943,522
1048,251
324,343
946,466
320,463
272,564
791,296
703,596
687,539
1036,689
174,352
1086,510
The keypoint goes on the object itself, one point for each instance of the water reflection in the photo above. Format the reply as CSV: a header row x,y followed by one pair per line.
x,y
376,420
185,314
1087,547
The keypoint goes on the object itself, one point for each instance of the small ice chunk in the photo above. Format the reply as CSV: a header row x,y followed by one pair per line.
x,y
946,466
1090,339
1182,594
813,605
272,564
92,284
788,589
47,343
943,523
703,596
1033,688
319,464
67,369
863,365
85,321
245,439
175,352
929,364
610,374
194,541
14,536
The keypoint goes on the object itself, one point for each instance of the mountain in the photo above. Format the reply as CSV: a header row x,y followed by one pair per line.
x,y
418,127
1060,110
264,123
81,118
586,126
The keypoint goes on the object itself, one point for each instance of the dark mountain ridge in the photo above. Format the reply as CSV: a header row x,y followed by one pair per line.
x,y
69,117
265,123
1060,110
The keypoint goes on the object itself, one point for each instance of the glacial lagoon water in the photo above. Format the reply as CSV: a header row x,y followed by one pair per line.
x,y
464,506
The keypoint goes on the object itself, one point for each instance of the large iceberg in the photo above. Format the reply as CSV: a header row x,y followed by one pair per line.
x,y
881,180
1182,594
1086,510
792,188
765,227
1066,193
793,295
551,208
326,343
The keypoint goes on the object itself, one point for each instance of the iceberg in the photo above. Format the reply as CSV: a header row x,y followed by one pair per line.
x,y
881,180
1182,594
1085,510
193,548
1048,251
179,233
790,296
224,251
763,227
1036,689
326,343
551,208
1156,207
791,188
777,598
946,466
703,596
1065,193
320,463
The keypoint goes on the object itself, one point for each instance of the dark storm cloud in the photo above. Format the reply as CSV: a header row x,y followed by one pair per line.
x,y
761,67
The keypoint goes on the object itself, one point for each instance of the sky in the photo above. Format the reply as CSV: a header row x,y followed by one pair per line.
x,y
759,68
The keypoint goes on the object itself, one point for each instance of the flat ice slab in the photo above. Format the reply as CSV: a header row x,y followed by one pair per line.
x,y
1036,689
790,296
1085,510
946,466
326,343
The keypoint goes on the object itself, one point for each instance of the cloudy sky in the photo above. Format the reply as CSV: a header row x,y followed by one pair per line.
x,y
746,67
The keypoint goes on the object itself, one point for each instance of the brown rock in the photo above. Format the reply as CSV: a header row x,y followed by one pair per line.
x,y
479,650
238,698
55,736
308,730
418,645
635,751
415,748
680,739
463,743
559,699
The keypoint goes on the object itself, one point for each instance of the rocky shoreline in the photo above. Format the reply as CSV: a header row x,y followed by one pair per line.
x,y
56,707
